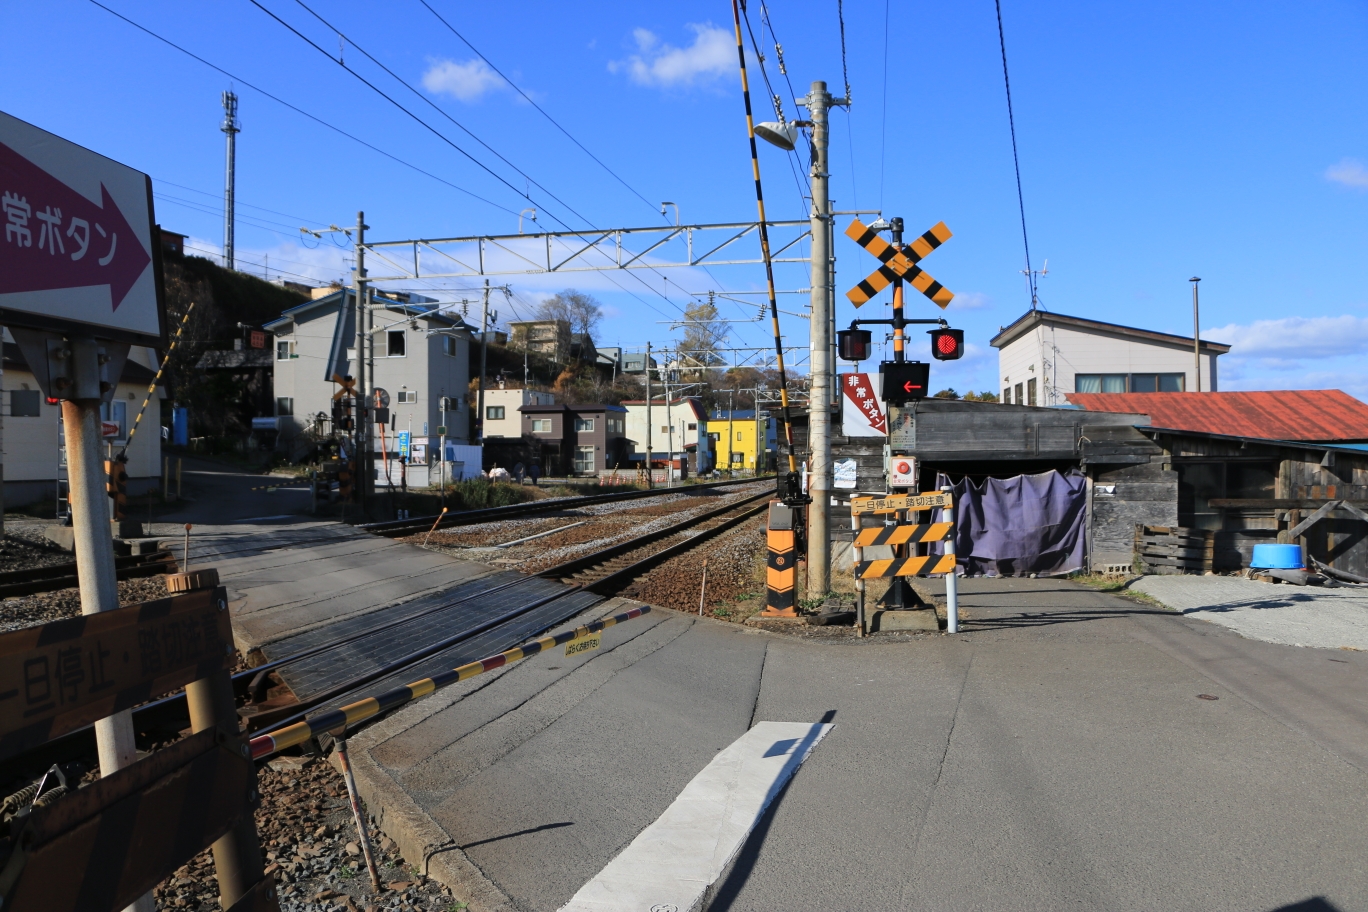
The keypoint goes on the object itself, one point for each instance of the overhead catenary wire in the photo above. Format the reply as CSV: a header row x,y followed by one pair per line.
x,y
278,100
523,193
1016,161
539,108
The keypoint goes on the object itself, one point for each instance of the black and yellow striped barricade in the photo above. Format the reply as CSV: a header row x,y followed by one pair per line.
x,y
99,847
781,565
903,537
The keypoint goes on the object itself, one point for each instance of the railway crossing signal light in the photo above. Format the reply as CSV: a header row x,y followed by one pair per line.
x,y
117,486
904,381
947,344
853,344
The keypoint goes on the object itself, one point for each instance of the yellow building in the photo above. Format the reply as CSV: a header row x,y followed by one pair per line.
x,y
742,439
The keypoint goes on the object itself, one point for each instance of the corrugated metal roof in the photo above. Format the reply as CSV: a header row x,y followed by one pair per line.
x,y
1320,415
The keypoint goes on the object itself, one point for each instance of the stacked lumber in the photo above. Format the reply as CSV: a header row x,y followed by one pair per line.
x,y
1174,549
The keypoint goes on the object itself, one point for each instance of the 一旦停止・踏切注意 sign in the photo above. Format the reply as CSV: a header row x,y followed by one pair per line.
x,y
76,240
892,503
899,263
863,416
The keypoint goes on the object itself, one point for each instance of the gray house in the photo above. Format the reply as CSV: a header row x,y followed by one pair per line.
x,y
416,352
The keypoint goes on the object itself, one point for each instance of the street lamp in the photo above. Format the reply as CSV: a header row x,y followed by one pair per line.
x,y
781,133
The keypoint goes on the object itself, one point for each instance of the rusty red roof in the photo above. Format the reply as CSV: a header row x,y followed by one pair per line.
x,y
1316,415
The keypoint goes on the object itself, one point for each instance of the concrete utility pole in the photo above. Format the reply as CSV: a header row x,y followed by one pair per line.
x,y
484,353
1196,335
362,440
231,127
649,482
818,102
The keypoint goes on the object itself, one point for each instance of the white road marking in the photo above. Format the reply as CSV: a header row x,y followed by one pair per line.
x,y
674,861
264,518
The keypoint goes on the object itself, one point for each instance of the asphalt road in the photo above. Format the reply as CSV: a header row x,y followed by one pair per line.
x,y
1055,755
218,493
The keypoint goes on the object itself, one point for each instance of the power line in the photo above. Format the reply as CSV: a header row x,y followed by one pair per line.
x,y
219,196
1016,163
297,110
539,108
441,135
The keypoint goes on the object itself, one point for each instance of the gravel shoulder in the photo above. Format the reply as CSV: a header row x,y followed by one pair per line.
x,y
1271,612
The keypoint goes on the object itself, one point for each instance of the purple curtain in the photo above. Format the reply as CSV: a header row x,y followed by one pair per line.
x,y
1020,525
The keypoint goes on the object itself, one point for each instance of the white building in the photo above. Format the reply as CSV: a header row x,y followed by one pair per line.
x,y
502,418
417,353
33,457
677,427
1043,357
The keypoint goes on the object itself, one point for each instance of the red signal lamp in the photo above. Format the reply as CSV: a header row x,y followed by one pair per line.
x,y
947,344
853,344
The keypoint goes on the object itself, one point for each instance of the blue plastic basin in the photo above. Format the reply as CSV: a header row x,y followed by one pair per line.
x,y
1276,557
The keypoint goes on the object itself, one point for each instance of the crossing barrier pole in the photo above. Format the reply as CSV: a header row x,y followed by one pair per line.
x,y
363,831
951,578
857,555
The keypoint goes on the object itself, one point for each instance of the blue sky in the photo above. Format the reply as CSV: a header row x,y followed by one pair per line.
x,y
1157,142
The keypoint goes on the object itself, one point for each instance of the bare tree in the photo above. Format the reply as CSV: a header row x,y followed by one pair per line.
x,y
580,310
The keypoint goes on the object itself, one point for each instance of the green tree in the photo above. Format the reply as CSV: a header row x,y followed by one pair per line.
x,y
949,394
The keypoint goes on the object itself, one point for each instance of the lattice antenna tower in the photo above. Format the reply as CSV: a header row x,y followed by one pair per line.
x,y
231,127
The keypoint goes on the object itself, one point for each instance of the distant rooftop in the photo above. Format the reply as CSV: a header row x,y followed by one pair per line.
x,y
1322,416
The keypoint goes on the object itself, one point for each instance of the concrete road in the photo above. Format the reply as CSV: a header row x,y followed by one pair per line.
x,y
1063,752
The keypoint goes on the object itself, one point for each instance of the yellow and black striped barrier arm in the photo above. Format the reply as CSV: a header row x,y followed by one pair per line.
x,y
152,387
903,535
898,263
351,714
905,566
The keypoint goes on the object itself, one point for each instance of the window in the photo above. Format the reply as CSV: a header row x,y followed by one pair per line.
x,y
738,458
25,403
284,350
1007,395
738,436
407,397
666,429
1158,383
1031,391
584,424
693,427
584,460
1099,383
616,426
541,425
116,412
285,405
449,345
393,344
494,413
1019,399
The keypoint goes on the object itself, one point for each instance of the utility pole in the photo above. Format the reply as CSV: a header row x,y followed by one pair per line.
x,y
362,443
649,478
818,102
1196,335
231,127
484,353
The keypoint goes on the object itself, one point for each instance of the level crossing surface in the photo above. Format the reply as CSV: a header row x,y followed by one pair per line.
x,y
1059,753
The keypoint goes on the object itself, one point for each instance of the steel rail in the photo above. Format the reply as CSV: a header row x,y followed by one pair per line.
x,y
488,514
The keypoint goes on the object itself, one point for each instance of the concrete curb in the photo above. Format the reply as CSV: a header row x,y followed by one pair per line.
x,y
420,839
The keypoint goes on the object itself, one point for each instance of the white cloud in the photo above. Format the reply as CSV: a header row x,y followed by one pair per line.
x,y
466,81
1294,338
712,54
971,300
1349,172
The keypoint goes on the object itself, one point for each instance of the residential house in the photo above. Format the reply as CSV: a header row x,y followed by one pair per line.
x,y
416,352
551,338
576,439
1044,357
742,439
34,460
677,429
502,418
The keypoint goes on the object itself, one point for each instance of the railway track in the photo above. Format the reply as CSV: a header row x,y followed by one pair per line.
x,y
400,527
63,576
374,651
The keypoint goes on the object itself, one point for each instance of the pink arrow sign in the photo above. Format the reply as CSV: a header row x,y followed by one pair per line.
x,y
52,237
